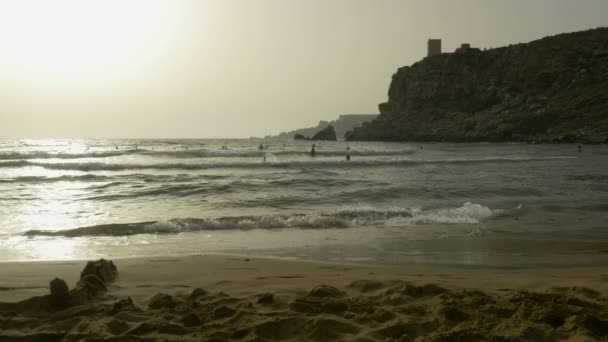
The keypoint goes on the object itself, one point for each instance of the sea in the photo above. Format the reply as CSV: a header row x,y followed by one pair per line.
x,y
476,204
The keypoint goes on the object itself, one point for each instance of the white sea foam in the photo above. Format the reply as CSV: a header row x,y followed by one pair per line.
x,y
347,217
471,213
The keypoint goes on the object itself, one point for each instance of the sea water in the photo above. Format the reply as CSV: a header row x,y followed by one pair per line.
x,y
508,204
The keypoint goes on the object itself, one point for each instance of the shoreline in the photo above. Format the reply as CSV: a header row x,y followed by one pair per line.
x,y
22,279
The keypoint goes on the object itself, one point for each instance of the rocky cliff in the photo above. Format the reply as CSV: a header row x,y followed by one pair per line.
x,y
342,125
551,90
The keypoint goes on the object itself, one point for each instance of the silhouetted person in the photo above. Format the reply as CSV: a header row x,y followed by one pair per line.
x,y
347,152
261,147
312,150
580,148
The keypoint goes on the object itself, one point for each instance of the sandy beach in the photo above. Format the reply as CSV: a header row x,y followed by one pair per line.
x,y
230,297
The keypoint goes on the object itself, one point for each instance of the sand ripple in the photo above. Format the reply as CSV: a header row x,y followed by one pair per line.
x,y
366,310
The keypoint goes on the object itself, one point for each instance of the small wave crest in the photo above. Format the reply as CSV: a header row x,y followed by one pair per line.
x,y
63,178
260,164
191,153
347,217
49,155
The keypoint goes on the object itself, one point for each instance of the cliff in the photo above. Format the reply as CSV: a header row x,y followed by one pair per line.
x,y
551,90
342,125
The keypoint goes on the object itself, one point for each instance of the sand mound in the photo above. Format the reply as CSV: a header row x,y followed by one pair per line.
x,y
366,310
92,284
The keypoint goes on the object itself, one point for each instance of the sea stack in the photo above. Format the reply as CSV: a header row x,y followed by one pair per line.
x,y
328,133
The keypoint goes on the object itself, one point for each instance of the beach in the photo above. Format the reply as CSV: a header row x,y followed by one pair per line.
x,y
232,297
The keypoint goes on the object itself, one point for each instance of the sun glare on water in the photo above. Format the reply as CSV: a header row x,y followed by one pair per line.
x,y
72,41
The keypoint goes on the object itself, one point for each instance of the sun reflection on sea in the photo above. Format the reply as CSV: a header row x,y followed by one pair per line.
x,y
55,145
48,205
54,206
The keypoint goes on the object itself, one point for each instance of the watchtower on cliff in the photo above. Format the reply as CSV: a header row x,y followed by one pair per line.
x,y
434,47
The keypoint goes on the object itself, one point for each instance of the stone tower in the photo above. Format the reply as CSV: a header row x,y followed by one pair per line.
x,y
434,47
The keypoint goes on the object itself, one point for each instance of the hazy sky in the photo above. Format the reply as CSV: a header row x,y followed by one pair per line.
x,y
234,68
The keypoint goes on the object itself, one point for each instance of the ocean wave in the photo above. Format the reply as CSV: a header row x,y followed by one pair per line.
x,y
270,164
181,153
258,153
49,155
64,178
586,178
347,217
117,179
177,190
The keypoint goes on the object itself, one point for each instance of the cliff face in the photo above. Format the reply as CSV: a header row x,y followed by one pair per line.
x,y
550,90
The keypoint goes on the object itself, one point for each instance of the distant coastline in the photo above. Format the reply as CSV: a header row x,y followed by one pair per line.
x,y
343,124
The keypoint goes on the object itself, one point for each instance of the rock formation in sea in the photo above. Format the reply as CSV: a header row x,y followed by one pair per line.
x,y
550,90
328,133
342,125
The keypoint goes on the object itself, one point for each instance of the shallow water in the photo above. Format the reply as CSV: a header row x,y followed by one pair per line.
x,y
392,203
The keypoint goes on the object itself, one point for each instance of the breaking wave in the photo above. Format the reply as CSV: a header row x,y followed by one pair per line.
x,y
47,155
64,178
191,153
470,213
259,164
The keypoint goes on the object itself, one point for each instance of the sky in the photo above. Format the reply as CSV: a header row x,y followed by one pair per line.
x,y
234,68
